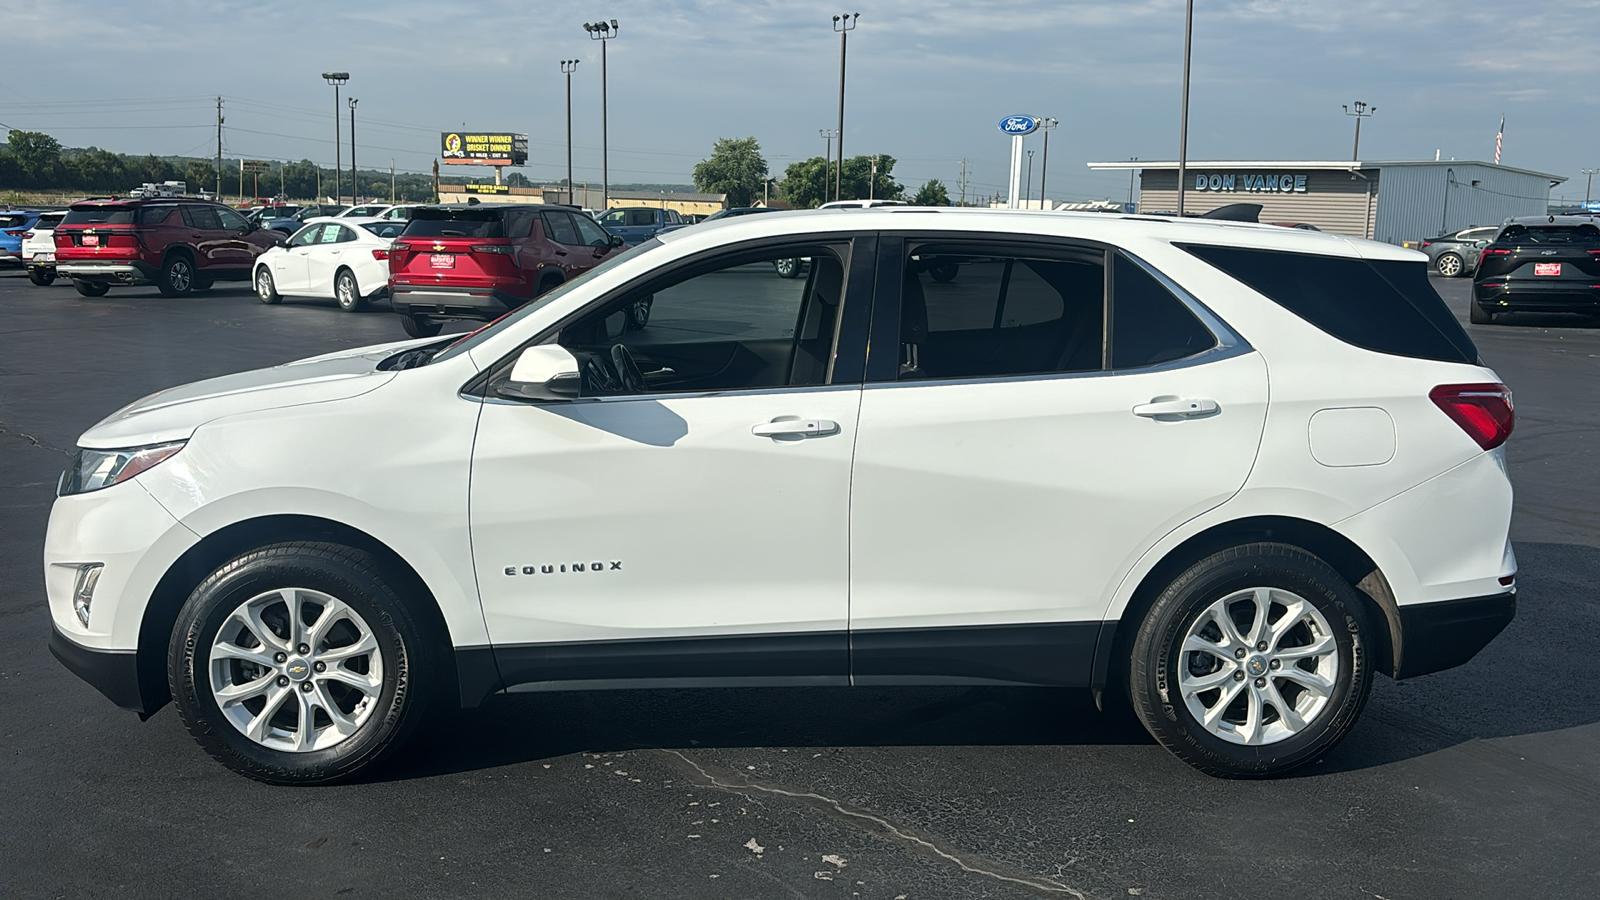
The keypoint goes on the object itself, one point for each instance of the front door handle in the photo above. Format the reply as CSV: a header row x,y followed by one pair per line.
x,y
795,427
1176,409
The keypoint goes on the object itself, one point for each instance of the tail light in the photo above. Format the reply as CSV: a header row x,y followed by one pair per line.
x,y
16,232
399,247
504,249
1594,252
1491,251
1483,411
1427,243
27,235
380,254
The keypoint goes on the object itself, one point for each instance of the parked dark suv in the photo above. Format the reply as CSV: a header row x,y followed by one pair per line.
x,y
176,244
479,261
1539,264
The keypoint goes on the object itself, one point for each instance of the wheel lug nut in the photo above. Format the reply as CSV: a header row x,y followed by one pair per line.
x,y
280,657
305,686
1238,676
1261,682
304,649
323,667
283,681
1275,664
1260,645
1239,653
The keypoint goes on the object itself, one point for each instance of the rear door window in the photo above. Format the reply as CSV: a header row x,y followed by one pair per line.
x,y
559,226
1149,325
203,218
1388,307
641,217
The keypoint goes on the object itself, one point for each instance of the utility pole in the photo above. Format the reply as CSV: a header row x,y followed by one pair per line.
x,y
1588,184
353,179
873,183
827,135
436,179
1362,111
1183,121
1027,192
391,180
219,149
603,32
568,66
842,24
963,181
1048,125
1131,171
336,79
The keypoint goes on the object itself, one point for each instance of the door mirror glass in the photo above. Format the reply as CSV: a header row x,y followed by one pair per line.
x,y
617,241
543,372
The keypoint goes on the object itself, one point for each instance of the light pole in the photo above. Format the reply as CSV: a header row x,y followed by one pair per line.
x,y
1449,179
843,24
1183,118
336,79
1361,111
827,135
352,101
603,32
1048,125
1027,192
1588,184
1131,172
568,66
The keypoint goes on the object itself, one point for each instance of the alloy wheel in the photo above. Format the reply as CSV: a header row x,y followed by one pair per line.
x,y
1258,666
296,670
1449,265
180,277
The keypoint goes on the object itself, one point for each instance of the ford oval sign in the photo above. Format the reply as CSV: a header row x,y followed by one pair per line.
x,y
1016,125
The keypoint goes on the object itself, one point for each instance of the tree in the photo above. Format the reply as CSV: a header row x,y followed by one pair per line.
x,y
736,168
37,157
854,183
805,183
932,194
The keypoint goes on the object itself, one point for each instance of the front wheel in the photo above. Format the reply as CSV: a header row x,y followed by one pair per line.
x,y
347,292
298,663
41,277
1449,265
787,268
419,326
266,288
1252,662
91,288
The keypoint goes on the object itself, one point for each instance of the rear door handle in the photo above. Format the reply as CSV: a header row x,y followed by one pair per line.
x,y
795,427
1177,409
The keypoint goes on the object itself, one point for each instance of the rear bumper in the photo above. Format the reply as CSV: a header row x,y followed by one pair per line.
x,y
484,304
1571,296
134,272
1443,635
114,673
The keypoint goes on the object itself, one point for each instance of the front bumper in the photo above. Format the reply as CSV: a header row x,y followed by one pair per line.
x,y
114,673
134,272
1443,635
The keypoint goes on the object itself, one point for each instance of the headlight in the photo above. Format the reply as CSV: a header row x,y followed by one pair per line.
x,y
92,470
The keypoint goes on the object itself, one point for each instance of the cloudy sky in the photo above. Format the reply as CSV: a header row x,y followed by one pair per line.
x,y
928,80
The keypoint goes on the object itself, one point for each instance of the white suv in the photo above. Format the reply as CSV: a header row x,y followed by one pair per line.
x,y
1224,471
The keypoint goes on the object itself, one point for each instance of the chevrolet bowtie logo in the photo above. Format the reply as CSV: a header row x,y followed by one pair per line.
x,y
438,247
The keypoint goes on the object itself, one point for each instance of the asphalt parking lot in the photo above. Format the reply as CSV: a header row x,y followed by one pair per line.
x,y
1482,781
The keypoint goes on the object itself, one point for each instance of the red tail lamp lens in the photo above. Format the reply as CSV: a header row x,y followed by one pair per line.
x,y
1483,411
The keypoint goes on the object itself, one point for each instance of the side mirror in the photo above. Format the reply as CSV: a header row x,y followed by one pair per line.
x,y
543,372
617,241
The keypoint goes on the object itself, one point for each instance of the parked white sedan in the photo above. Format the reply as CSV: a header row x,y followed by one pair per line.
x,y
346,259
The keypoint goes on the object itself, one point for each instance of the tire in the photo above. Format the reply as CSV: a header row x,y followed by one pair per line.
x,y
177,277
266,288
419,326
347,291
237,635
91,288
787,268
42,277
1450,265
639,314
1175,688
1477,315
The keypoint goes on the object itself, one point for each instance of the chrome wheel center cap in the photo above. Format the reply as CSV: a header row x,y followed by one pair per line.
x,y
297,669
1256,666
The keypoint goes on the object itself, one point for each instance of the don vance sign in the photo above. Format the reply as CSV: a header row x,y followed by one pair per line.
x,y
1251,182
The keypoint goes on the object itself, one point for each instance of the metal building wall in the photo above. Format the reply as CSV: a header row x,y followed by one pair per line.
x,y
1334,201
1411,204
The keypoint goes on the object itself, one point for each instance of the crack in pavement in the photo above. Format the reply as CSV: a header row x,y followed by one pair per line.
x,y
871,823
33,440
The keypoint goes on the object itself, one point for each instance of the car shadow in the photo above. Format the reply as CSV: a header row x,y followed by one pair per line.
x,y
1497,694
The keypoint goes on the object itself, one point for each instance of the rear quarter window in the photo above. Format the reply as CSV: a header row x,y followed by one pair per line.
x,y
1380,305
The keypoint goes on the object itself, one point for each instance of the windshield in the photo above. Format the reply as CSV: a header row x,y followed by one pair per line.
x,y
99,215
521,312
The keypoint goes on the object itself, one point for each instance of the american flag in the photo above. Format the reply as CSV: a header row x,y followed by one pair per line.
x,y
1499,136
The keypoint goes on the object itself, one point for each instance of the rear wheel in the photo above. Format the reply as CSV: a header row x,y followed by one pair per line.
x,y
1252,662
266,289
298,663
419,326
91,288
42,277
1449,265
347,292
1477,314
787,268
176,278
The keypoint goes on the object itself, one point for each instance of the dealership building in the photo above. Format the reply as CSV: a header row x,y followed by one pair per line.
x,y
1396,201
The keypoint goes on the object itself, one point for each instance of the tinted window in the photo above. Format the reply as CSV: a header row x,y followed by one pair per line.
x,y
1550,234
589,233
202,217
482,223
231,220
49,220
975,314
614,218
558,225
1384,306
157,215
99,215
1148,324
642,217
14,220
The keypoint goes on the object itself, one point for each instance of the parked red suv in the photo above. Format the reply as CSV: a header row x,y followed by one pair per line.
x,y
176,244
479,261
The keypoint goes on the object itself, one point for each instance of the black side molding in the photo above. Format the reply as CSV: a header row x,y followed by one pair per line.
x,y
114,673
1044,654
1443,635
